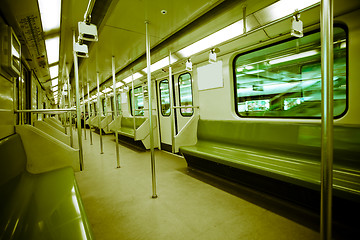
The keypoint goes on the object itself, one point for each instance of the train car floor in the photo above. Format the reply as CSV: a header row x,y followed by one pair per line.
x,y
189,206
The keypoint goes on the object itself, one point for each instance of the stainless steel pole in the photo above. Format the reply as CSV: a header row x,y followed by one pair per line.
x,y
172,110
99,112
133,103
115,113
84,116
70,113
326,27
148,61
76,73
90,113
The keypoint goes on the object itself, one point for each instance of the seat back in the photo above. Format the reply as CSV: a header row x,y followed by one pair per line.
x,y
12,165
128,122
304,138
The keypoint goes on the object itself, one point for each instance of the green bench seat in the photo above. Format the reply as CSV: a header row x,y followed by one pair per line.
x,y
288,152
38,206
127,126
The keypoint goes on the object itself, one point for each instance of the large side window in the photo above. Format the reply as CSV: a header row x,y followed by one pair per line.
x,y
185,93
94,107
164,97
284,80
103,103
118,97
138,101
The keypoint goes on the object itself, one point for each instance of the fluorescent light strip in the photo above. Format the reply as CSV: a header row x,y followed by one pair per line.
x,y
52,49
161,63
129,78
54,71
54,82
214,39
282,8
50,12
106,90
294,57
118,84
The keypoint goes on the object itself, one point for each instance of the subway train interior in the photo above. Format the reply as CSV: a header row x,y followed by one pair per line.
x,y
164,119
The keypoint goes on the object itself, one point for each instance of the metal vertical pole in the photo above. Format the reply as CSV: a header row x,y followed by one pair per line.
x,y
148,61
99,112
70,113
84,116
172,110
77,94
115,113
90,113
133,103
244,19
326,27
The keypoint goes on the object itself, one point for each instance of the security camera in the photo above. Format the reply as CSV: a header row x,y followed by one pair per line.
x,y
87,32
81,50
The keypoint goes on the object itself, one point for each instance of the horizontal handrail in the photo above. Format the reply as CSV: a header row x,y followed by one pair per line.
x,y
46,110
186,107
145,109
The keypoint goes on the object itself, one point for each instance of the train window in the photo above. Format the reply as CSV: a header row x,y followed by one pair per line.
x,y
284,80
138,101
119,103
94,107
185,94
164,97
103,103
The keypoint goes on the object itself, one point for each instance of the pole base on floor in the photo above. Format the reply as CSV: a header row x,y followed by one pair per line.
x,y
154,196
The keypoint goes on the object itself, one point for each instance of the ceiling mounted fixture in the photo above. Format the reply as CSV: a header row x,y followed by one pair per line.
x,y
188,65
81,50
87,32
297,26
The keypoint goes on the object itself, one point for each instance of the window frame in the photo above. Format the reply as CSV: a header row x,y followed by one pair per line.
x,y
103,106
338,25
192,99
118,103
161,109
131,108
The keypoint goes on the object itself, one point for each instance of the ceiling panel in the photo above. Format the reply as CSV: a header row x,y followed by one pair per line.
x,y
122,34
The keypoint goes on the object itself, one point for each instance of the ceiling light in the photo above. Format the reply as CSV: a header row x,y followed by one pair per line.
x,y
106,90
118,84
160,64
283,8
129,78
50,14
54,82
54,71
214,39
52,49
